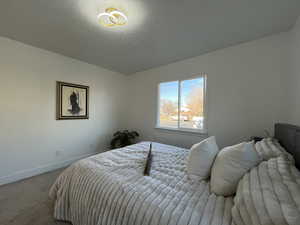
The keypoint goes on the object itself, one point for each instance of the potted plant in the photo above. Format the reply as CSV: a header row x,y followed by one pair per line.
x,y
123,138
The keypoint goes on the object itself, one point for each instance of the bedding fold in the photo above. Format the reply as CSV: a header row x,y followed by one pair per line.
x,y
269,194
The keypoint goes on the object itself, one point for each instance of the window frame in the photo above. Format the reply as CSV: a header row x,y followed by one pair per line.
x,y
180,129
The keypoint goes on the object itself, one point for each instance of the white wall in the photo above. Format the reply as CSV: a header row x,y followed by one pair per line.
x,y
29,133
245,92
248,91
293,88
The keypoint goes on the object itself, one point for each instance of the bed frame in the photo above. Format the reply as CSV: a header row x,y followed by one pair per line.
x,y
289,137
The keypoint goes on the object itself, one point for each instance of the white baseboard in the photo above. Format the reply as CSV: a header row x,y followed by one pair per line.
x,y
20,175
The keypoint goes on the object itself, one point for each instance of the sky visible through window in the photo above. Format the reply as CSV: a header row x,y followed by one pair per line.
x,y
191,107
169,90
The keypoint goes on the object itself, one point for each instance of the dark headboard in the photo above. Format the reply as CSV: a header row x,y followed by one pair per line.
x,y
289,137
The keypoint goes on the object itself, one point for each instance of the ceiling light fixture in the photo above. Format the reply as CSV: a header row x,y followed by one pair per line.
x,y
112,17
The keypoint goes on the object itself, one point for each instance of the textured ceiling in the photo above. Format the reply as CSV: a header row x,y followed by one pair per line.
x,y
159,31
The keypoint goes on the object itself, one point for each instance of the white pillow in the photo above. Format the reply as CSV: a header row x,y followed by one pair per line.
x,y
230,166
201,158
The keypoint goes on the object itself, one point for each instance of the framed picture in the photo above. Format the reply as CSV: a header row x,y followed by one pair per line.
x,y
72,101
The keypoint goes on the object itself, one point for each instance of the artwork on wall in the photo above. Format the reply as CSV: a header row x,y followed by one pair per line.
x,y
72,101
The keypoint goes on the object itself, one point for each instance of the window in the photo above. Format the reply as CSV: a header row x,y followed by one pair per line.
x,y
181,105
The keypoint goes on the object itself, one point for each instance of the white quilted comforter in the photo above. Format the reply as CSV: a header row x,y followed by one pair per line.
x,y
110,189
269,195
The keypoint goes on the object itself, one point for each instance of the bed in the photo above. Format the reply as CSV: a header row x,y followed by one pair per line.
x,y
110,189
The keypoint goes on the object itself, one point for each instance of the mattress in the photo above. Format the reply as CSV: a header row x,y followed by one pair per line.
x,y
110,189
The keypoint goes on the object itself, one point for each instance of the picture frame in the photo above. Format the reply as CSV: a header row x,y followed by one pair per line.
x,y
72,101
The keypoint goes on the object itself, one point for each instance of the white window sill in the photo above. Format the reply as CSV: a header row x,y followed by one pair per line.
x,y
183,131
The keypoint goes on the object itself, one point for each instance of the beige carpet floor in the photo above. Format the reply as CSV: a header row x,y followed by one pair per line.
x,y
27,203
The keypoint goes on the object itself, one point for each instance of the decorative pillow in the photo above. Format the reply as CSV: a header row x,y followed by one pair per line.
x,y
230,166
201,158
269,148
269,194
